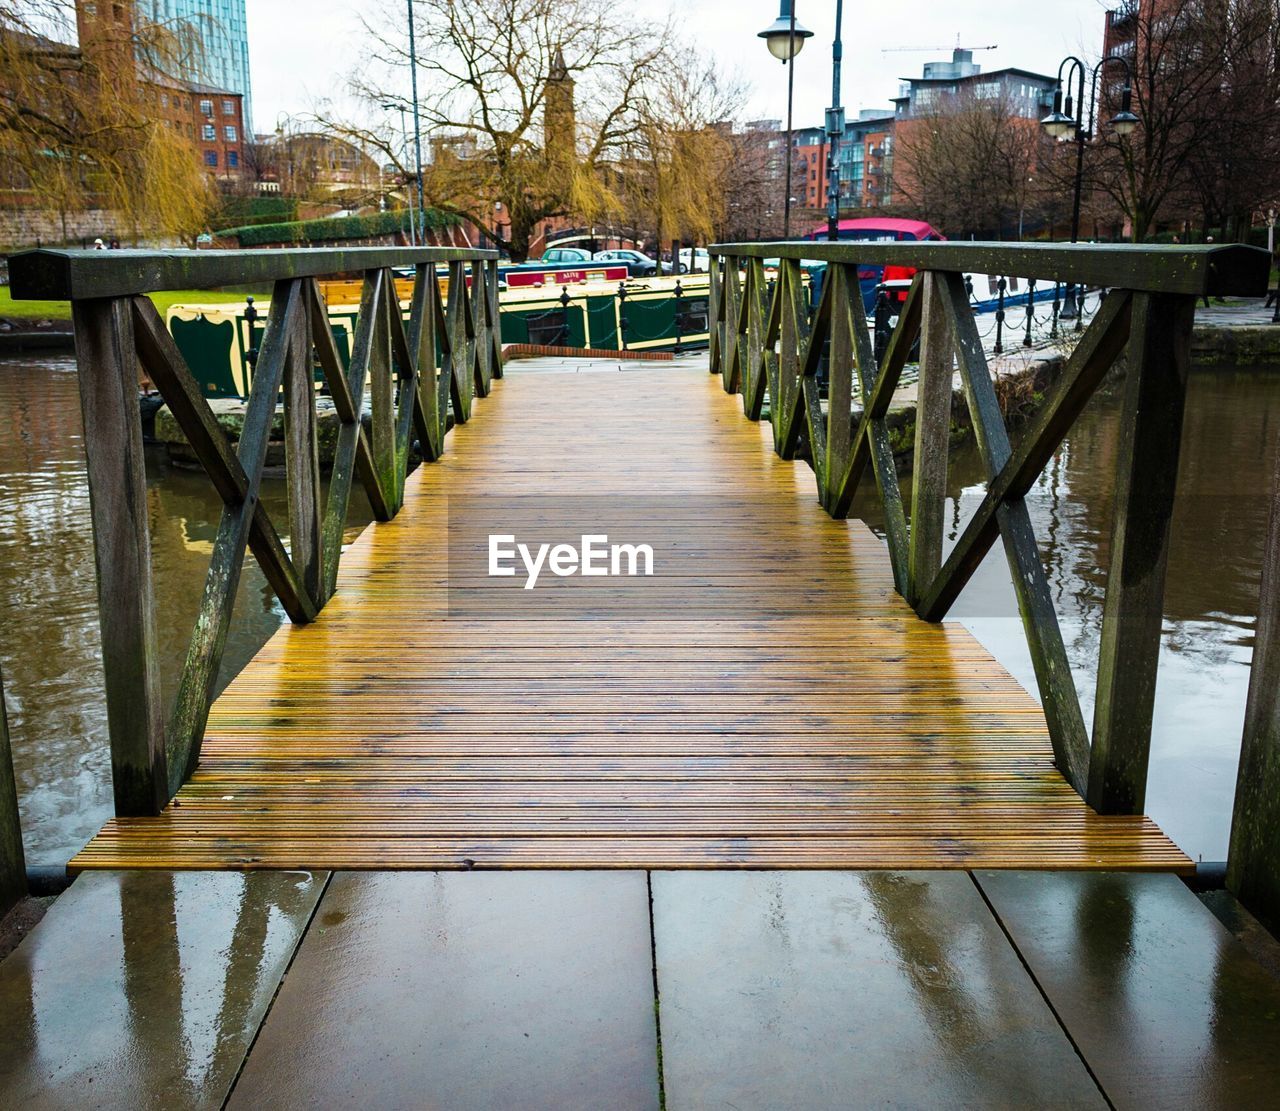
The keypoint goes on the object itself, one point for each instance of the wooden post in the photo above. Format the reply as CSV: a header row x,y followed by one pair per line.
x,y
13,865
1150,437
108,365
714,316
1253,867
382,392
933,439
302,456
840,356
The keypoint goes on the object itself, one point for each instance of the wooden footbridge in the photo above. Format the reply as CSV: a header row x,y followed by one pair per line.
x,y
779,693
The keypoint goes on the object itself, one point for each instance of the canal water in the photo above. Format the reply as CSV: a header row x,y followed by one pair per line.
x,y
50,653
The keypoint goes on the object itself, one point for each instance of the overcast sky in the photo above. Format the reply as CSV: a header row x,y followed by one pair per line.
x,y
301,50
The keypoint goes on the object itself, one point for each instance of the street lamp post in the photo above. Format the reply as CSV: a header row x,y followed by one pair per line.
x,y
835,129
417,128
785,39
1068,118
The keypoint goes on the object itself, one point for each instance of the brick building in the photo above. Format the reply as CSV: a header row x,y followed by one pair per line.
x,y
211,118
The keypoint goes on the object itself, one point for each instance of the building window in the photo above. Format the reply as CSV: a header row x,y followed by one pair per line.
x,y
211,158
206,108
164,100
233,159
228,107
229,133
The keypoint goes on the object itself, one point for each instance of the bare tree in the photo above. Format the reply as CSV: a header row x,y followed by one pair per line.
x,y
968,164
1205,91
523,100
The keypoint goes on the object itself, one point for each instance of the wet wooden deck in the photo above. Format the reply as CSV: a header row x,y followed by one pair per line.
x,y
764,701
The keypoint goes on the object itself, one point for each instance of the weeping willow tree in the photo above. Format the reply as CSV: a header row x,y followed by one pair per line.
x,y
676,176
79,126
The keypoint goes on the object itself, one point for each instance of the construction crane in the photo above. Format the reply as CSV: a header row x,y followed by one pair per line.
x,y
933,49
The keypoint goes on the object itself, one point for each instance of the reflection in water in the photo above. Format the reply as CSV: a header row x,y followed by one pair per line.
x,y
1229,448
50,653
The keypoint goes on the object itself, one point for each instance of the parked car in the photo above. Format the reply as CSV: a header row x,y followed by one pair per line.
x,y
638,264
694,259
564,256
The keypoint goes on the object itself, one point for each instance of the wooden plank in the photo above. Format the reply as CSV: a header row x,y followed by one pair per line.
x,y
13,866
1165,1007
794,990
106,354
1146,480
466,991
932,442
1253,866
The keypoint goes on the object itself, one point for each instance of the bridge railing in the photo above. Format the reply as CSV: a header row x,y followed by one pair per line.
x,y
767,343
419,376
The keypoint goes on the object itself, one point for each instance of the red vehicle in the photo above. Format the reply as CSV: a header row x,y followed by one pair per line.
x,y
882,229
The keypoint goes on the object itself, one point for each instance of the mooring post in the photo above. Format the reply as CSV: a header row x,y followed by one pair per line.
x,y
1253,866
679,296
1031,310
1000,288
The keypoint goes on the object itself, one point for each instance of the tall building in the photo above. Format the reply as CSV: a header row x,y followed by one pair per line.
x,y
224,35
866,159
210,115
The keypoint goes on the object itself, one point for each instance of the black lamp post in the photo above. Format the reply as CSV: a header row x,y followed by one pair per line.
x,y
785,39
835,129
1068,117
417,127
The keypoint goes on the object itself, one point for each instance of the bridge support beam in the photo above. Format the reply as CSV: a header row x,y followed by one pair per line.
x,y
1253,868
108,361
1147,474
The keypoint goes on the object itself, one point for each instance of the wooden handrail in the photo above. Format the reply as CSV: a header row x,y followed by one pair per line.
x,y
1229,269
78,274
767,343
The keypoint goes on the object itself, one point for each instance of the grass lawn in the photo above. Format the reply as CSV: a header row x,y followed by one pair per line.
x,y
61,310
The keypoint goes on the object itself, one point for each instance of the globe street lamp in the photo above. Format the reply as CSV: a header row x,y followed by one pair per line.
x,y
785,39
1067,120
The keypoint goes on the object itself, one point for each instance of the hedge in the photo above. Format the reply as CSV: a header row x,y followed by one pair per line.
x,y
330,228
245,211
